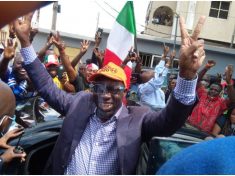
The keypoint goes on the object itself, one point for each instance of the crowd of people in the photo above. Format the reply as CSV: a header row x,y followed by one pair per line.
x,y
102,131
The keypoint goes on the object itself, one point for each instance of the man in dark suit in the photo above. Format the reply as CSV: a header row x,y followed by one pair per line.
x,y
99,134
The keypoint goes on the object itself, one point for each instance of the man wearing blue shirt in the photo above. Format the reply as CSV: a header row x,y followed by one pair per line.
x,y
150,92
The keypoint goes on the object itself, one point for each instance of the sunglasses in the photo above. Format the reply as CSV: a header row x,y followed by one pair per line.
x,y
101,89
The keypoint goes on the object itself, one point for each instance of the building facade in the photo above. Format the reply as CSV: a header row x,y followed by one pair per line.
x,y
161,19
149,47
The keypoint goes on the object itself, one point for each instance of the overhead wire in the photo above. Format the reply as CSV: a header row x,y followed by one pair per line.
x,y
139,23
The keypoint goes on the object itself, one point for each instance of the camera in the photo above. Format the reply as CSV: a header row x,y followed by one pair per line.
x,y
60,71
131,54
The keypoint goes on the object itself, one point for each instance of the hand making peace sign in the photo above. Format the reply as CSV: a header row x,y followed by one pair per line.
x,y
192,52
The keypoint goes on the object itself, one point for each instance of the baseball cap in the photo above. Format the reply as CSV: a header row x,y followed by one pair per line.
x,y
92,66
51,59
111,71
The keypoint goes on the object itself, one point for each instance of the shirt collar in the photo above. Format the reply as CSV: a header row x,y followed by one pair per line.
x,y
114,117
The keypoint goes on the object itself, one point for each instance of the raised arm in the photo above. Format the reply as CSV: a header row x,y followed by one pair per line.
x,y
228,75
166,50
180,105
58,99
208,66
9,54
160,72
72,74
170,61
99,56
131,57
46,47
84,46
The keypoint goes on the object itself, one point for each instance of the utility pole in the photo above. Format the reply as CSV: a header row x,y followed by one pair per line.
x,y
176,27
98,20
54,17
231,44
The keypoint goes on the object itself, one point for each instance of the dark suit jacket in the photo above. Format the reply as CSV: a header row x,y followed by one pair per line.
x,y
135,125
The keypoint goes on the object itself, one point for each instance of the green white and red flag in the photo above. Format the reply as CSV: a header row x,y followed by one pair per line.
x,y
121,39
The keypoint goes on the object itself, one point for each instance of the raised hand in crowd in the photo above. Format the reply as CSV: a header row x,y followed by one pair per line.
x,y
170,60
97,40
9,50
209,65
99,56
64,58
84,46
33,33
9,54
230,86
46,47
192,52
131,57
9,135
9,155
23,28
229,73
60,45
172,54
166,50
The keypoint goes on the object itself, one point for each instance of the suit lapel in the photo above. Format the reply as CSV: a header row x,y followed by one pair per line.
x,y
122,127
80,125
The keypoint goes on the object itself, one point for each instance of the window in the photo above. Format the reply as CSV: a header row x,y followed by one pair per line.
x,y
219,9
150,61
146,59
155,60
163,16
175,63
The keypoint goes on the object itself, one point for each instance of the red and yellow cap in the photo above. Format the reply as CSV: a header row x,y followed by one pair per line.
x,y
111,71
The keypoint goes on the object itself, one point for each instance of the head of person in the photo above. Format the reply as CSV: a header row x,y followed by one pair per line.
x,y
51,63
82,69
215,90
18,69
172,84
146,75
90,70
7,106
171,77
231,113
205,81
109,88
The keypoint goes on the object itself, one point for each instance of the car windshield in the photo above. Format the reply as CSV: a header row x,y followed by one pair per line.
x,y
33,111
165,148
